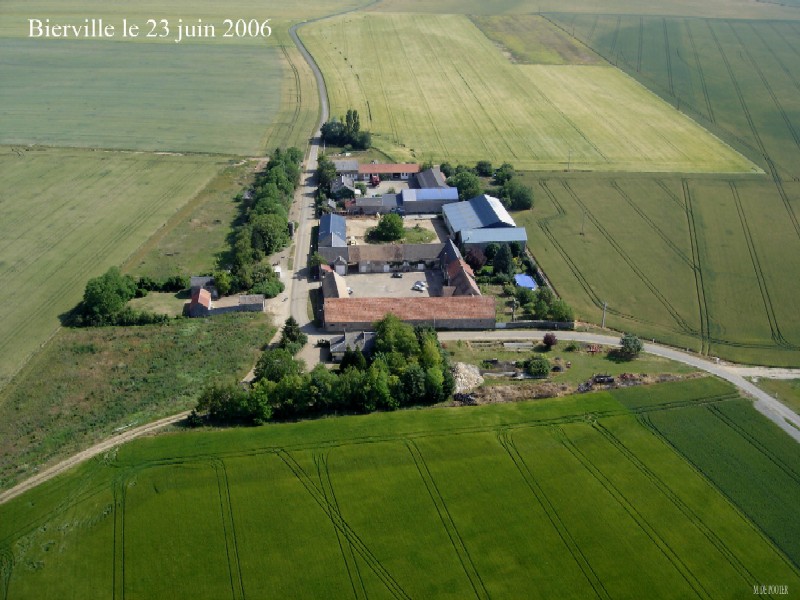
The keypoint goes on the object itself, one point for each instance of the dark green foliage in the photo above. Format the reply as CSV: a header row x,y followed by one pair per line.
x,y
475,258
105,302
516,195
447,169
276,364
549,340
392,335
346,132
292,338
491,250
484,168
543,304
503,261
389,228
503,174
230,403
537,366
326,173
467,183
270,288
630,345
353,359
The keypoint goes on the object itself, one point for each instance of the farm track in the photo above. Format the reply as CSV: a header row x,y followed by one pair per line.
x,y
777,336
507,442
775,57
229,530
770,164
671,84
460,548
702,302
652,224
647,422
630,508
758,446
118,578
348,555
681,322
699,65
746,575
340,523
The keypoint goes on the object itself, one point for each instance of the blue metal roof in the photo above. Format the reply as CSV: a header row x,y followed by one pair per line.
x,y
333,226
430,194
504,235
477,213
525,281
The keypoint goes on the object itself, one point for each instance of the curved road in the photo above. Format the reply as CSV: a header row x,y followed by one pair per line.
x,y
298,286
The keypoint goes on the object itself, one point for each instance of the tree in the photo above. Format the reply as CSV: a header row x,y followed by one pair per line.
x,y
276,364
537,366
353,359
292,338
467,183
516,196
630,345
484,168
491,250
268,233
549,340
561,311
503,262
326,173
392,335
222,281
475,258
447,169
105,297
389,228
503,174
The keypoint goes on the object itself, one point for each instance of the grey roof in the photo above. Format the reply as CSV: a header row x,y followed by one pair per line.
x,y
201,281
357,340
504,235
251,299
346,166
343,182
431,178
332,231
477,213
394,253
383,203
443,194
333,285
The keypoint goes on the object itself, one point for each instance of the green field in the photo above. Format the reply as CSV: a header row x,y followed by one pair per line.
x,y
452,95
88,383
68,215
785,390
598,495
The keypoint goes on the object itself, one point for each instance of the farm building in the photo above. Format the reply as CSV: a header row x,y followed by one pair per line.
x,y
458,275
388,257
200,304
483,237
481,212
252,303
378,205
204,282
464,312
355,340
333,285
427,201
332,231
525,281
387,171
346,167
430,179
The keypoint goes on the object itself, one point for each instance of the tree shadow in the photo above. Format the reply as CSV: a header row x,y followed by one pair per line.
x,y
617,356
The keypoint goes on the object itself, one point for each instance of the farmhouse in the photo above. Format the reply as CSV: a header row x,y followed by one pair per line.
x,y
332,231
464,312
458,275
355,340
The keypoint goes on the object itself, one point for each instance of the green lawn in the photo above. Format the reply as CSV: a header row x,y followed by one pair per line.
x,y
86,383
454,96
785,390
590,495
68,215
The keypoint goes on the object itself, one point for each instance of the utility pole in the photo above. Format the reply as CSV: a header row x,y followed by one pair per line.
x,y
569,159
605,305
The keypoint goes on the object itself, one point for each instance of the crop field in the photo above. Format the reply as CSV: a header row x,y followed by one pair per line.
x,y
102,380
452,95
599,495
221,95
68,215
710,263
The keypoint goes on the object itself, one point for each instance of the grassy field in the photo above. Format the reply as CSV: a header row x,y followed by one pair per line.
x,y
68,215
785,390
452,95
443,502
237,96
87,383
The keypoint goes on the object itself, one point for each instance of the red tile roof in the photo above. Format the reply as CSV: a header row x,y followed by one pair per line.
x,y
362,310
201,296
388,169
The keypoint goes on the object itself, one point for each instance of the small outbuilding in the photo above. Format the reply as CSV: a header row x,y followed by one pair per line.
x,y
355,340
252,303
200,304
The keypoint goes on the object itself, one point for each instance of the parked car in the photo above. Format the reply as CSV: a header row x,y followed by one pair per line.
x,y
350,290
421,284
397,275
418,288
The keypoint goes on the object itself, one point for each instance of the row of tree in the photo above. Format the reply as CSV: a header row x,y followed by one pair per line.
x,y
265,226
408,368
541,303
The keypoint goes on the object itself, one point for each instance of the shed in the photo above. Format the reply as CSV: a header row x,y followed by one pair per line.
x,y
252,303
430,178
430,200
200,304
355,340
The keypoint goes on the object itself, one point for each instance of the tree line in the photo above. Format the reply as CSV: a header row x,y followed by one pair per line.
x,y
346,132
508,189
408,368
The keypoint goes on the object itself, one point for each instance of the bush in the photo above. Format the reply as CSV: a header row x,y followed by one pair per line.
x,y
537,366
549,340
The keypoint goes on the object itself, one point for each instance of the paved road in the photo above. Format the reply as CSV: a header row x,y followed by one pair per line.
x,y
764,403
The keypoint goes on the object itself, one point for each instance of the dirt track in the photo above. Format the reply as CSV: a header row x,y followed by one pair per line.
x,y
99,448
